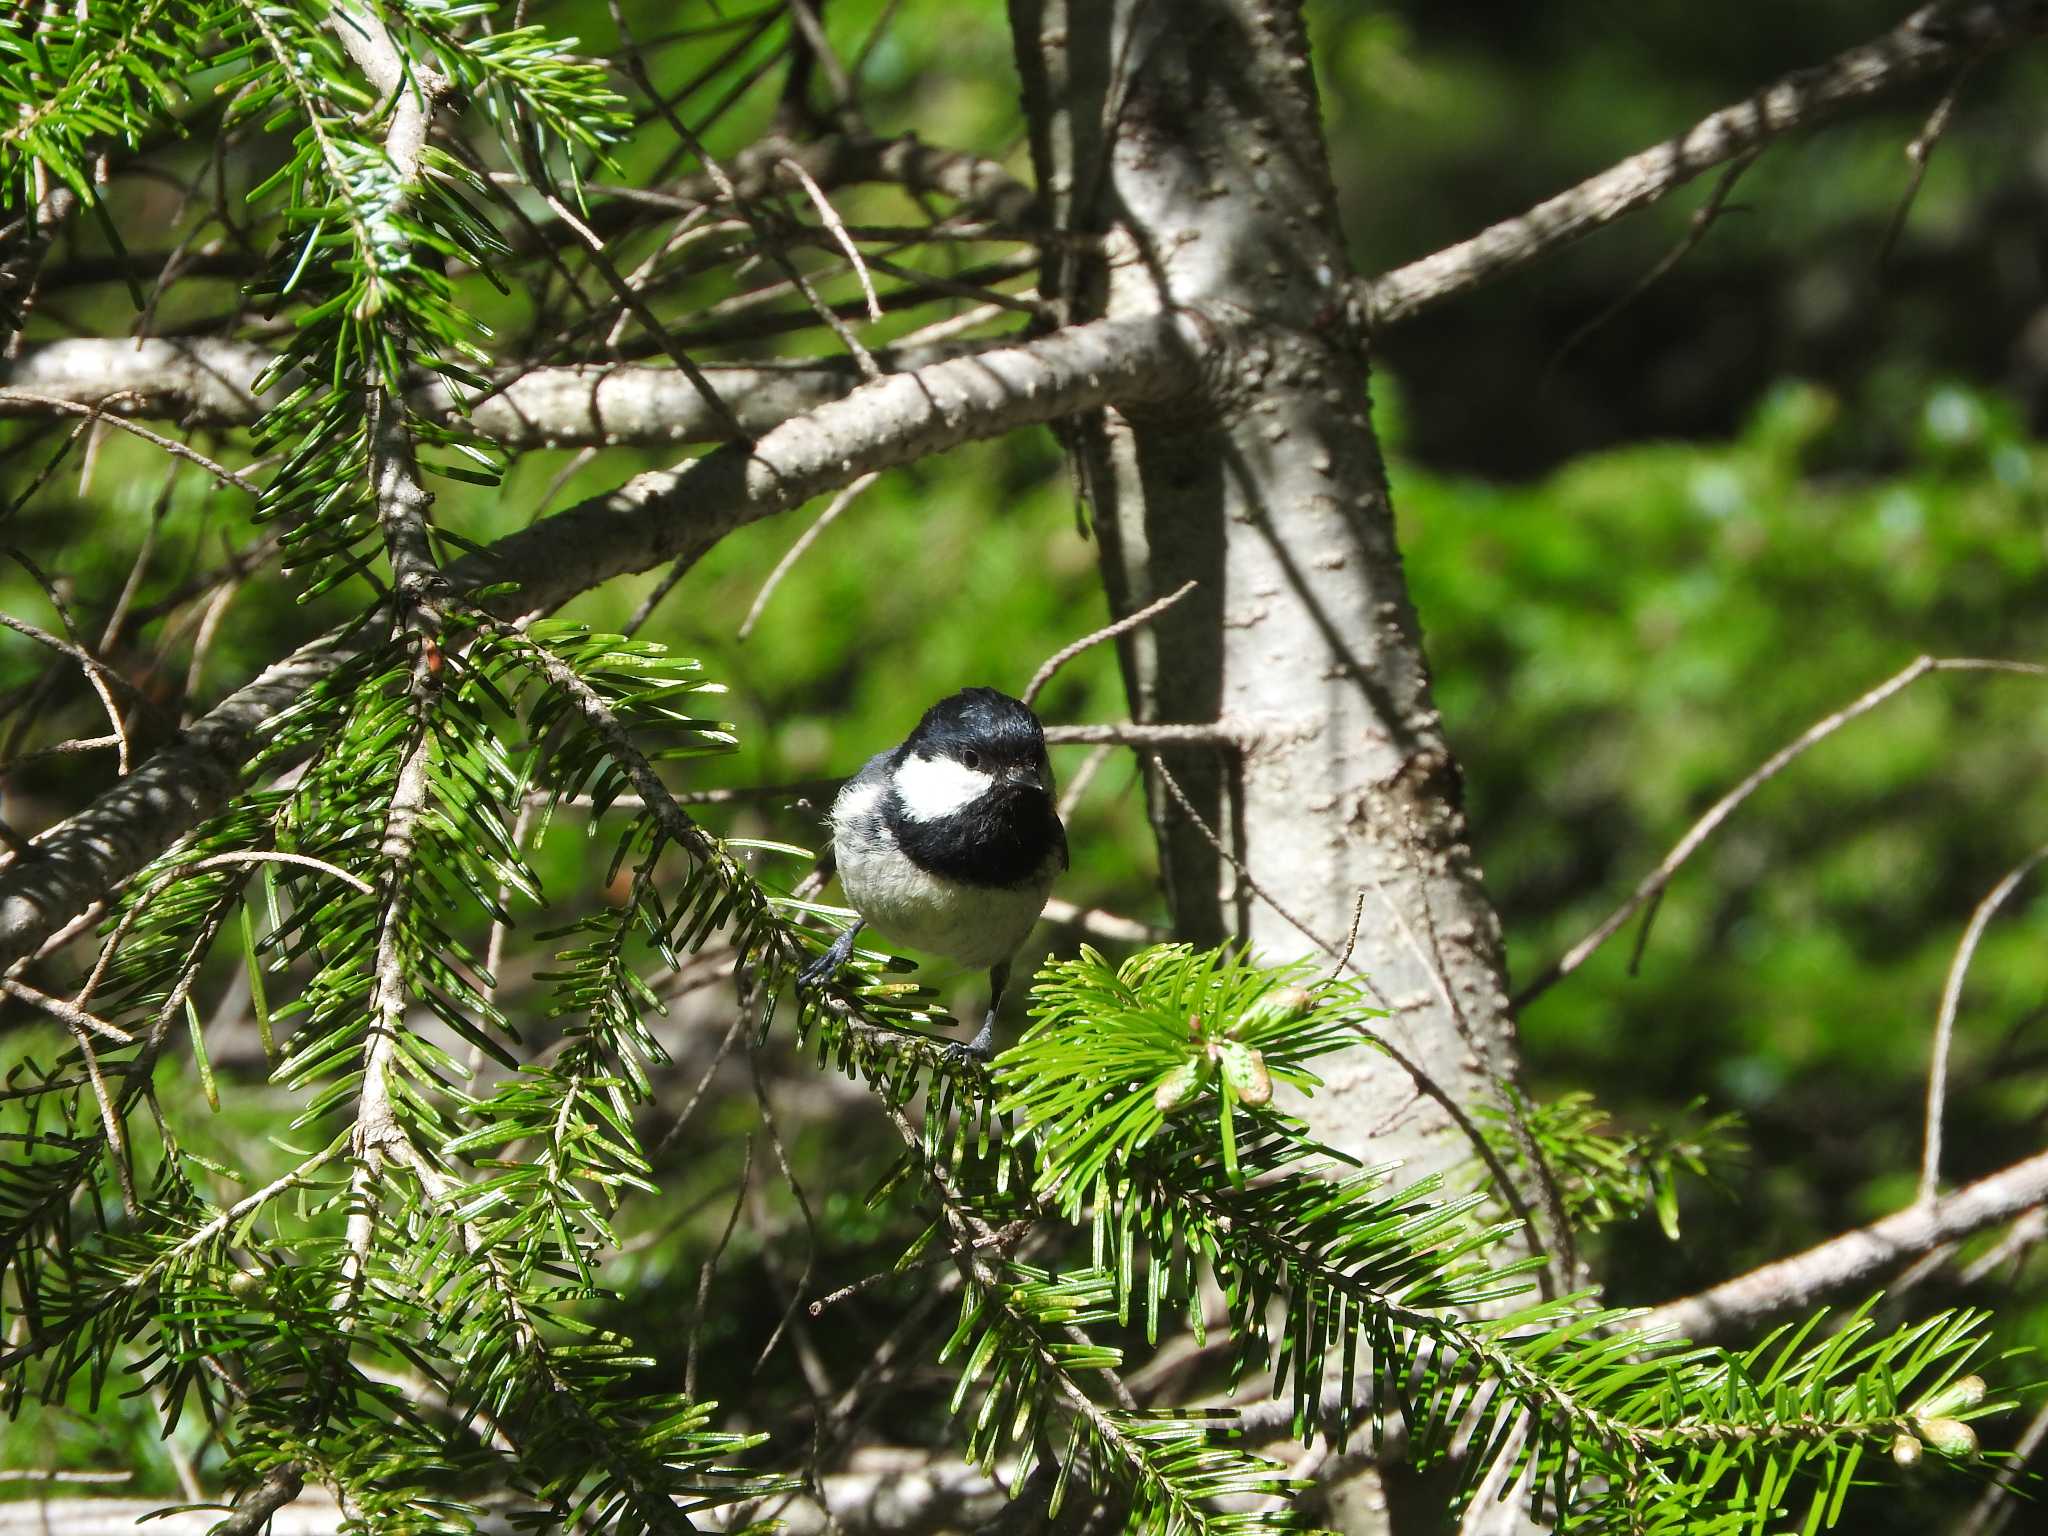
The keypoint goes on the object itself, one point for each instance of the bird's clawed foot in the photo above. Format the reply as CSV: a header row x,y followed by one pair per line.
x,y
821,970
977,1051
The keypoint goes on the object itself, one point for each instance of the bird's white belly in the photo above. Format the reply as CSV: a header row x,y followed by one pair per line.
x,y
976,925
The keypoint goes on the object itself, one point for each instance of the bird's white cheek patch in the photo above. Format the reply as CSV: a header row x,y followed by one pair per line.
x,y
932,787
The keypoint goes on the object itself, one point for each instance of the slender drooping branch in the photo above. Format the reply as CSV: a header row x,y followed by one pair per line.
x,y
1931,41
657,517
1945,1017
1650,889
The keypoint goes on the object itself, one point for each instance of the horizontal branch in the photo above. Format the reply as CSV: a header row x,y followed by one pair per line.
x,y
1933,40
202,383
883,1491
665,515
205,383
1145,735
1858,1258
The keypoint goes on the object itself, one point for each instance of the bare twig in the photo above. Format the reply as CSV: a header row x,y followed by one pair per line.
x,y
1945,1019
97,673
66,1010
1652,884
1702,220
803,1205
1351,938
804,541
1122,626
202,642
95,669
701,1309
118,615
101,417
832,222
1077,786
2020,1239
1919,151
630,297
1218,734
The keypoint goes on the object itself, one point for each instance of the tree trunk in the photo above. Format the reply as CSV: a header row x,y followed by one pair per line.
x,y
1187,138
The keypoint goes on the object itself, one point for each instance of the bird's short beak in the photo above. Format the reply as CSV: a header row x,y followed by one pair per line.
x,y
1022,776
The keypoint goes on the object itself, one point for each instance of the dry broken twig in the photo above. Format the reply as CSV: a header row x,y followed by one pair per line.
x,y
1652,885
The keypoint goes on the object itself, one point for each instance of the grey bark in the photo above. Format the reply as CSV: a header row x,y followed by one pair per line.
x,y
204,382
1188,138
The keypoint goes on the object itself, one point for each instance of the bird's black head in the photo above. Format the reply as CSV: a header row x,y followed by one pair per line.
x,y
986,732
971,791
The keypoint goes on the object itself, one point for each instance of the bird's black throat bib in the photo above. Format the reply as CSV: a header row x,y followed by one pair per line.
x,y
1001,839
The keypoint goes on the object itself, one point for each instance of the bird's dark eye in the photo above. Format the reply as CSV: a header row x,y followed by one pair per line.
x,y
971,758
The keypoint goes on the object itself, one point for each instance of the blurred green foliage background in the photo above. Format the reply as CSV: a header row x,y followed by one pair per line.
x,y
1645,557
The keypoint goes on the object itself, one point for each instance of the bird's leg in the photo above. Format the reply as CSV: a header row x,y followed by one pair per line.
x,y
982,1046
826,966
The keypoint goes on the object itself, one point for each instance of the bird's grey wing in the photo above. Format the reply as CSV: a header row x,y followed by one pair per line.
x,y
857,794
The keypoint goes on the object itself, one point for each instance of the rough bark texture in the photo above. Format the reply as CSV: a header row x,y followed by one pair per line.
x,y
1188,136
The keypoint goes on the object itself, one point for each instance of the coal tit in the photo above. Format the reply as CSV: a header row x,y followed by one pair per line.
x,y
950,843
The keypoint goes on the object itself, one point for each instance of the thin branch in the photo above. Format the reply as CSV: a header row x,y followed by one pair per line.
x,y
1122,626
1945,1019
1919,151
1652,885
630,297
1854,1258
94,667
683,1115
69,1012
701,1309
100,416
1142,737
1934,38
832,222
804,541
1702,220
2019,1240
803,1205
